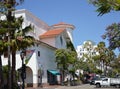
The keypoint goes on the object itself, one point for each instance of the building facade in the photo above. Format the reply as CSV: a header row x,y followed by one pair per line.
x,y
85,52
41,57
87,48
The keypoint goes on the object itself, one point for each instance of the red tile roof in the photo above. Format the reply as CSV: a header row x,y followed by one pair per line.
x,y
52,33
61,23
65,25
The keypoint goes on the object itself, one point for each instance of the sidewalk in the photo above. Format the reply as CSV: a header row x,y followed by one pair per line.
x,y
57,87
46,87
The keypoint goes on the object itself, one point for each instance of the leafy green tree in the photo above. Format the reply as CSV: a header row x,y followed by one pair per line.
x,y
20,42
96,60
105,57
13,26
64,58
3,44
1,71
7,6
112,34
1,74
112,31
82,65
115,66
18,39
101,49
110,56
105,6
88,56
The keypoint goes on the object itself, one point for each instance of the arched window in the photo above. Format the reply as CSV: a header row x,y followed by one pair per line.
x,y
61,40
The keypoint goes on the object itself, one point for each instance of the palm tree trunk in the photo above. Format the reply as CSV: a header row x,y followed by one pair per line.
x,y
9,18
104,67
13,73
1,74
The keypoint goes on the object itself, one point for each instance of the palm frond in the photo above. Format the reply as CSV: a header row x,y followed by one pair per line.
x,y
27,29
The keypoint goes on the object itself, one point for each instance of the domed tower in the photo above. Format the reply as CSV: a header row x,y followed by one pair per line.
x,y
68,27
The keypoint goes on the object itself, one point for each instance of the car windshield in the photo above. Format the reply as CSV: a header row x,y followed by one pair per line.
x,y
96,78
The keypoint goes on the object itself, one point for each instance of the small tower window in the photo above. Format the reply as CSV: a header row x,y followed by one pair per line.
x,y
38,53
61,40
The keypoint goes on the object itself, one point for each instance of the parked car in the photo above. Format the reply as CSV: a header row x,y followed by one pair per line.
x,y
92,82
108,82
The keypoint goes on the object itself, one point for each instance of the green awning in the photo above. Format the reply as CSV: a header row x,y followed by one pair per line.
x,y
54,72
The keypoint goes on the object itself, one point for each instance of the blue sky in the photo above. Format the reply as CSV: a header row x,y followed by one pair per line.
x,y
80,13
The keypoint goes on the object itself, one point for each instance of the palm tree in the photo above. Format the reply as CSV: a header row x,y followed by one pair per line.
x,y
19,41
110,56
102,54
13,27
112,34
116,65
106,6
1,71
3,47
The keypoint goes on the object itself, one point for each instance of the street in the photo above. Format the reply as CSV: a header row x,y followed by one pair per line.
x,y
84,86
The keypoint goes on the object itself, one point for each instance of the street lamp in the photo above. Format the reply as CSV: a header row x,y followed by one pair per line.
x,y
23,74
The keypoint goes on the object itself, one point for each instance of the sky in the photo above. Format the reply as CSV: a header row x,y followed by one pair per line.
x,y
81,14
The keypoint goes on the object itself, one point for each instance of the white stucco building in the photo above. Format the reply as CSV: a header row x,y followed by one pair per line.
x,y
88,47
84,51
42,57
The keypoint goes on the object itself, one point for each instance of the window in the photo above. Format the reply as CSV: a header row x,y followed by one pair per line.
x,y
80,49
38,53
61,40
105,79
81,54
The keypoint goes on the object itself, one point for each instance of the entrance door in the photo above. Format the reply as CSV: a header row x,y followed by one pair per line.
x,y
29,77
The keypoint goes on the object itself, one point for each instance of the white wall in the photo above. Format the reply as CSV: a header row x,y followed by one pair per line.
x,y
58,42
70,33
39,26
50,41
46,60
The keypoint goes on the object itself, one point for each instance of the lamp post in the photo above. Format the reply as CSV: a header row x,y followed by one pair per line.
x,y
23,74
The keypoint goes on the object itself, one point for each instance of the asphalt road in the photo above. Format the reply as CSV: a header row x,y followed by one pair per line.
x,y
84,86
